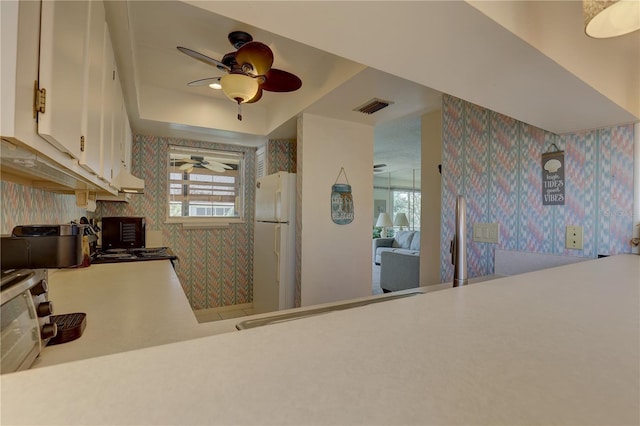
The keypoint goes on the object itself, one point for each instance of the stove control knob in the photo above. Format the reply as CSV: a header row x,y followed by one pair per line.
x,y
49,331
40,288
45,309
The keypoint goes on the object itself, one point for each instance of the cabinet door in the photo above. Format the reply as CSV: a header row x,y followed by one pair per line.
x,y
128,141
118,130
63,34
108,106
93,89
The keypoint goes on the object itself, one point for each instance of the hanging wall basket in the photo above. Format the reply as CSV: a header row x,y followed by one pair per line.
x,y
341,201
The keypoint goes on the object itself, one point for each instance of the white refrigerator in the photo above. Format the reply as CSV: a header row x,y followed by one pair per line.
x,y
274,242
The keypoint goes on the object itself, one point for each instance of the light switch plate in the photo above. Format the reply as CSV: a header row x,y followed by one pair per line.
x,y
573,238
486,232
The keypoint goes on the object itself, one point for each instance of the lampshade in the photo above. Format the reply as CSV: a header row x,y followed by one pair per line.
x,y
239,87
610,18
384,220
400,220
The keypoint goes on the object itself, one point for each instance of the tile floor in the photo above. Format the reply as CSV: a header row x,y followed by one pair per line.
x,y
228,312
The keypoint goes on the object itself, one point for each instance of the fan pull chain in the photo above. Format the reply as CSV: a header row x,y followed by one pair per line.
x,y
239,112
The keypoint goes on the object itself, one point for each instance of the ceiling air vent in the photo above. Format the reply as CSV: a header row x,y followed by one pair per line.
x,y
373,105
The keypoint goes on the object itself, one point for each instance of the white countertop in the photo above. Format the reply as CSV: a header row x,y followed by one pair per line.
x,y
129,305
558,346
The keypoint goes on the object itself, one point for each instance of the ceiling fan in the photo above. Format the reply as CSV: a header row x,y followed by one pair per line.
x,y
378,167
188,163
248,71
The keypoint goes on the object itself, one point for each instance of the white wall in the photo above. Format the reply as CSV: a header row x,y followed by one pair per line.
x,y
617,73
431,198
335,259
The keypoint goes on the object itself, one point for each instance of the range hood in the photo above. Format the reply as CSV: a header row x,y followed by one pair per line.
x,y
128,183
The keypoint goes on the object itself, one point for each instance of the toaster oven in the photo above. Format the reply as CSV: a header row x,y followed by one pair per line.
x,y
25,318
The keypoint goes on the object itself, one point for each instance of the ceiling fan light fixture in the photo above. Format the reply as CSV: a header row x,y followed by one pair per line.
x,y
239,87
216,85
610,18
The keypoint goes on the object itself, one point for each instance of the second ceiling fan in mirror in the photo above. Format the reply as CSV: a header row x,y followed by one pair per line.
x,y
188,163
247,71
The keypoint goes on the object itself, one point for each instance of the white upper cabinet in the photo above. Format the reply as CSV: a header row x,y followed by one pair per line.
x,y
63,34
108,102
64,49
118,132
128,142
115,123
94,75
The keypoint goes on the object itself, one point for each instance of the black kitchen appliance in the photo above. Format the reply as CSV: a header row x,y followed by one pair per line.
x,y
134,255
123,232
42,246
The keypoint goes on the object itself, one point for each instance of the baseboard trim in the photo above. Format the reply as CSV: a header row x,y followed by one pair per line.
x,y
226,308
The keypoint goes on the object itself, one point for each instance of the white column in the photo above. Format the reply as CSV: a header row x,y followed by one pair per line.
x,y
636,185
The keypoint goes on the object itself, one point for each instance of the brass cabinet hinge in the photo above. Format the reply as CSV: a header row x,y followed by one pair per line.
x,y
39,99
81,143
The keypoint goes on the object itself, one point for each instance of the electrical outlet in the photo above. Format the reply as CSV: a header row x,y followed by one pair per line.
x,y
573,239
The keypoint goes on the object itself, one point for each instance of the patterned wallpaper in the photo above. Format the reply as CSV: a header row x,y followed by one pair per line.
x,y
215,265
281,156
495,162
22,205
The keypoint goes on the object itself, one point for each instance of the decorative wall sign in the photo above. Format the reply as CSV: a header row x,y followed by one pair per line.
x,y
341,201
553,178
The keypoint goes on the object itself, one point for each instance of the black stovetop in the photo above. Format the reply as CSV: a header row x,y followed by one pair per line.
x,y
133,255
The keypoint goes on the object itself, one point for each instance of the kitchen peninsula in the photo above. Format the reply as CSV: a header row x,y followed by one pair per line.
x,y
129,305
557,346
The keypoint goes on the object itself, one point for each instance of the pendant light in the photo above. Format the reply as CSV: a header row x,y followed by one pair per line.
x,y
610,18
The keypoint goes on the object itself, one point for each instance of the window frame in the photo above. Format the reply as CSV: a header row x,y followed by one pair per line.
x,y
238,157
413,209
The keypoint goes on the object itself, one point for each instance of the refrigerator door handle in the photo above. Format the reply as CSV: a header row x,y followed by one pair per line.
x,y
278,206
276,249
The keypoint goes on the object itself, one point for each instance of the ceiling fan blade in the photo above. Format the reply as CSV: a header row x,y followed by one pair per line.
x,y
204,82
203,58
281,81
256,98
225,166
214,167
258,55
186,166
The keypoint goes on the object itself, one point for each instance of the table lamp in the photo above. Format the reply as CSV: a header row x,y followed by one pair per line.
x,y
384,221
400,220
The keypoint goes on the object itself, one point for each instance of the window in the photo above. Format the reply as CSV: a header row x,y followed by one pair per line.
x,y
400,191
409,203
205,184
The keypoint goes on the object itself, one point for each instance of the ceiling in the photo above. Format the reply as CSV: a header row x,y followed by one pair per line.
x,y
398,51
